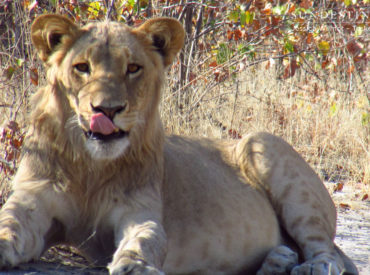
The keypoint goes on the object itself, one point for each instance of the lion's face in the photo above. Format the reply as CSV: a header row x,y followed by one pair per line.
x,y
111,76
114,84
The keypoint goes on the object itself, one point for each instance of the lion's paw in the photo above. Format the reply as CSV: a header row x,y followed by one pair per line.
x,y
4,262
279,261
133,267
8,254
322,265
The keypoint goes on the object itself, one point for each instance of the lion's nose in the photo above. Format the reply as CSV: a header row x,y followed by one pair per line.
x,y
108,111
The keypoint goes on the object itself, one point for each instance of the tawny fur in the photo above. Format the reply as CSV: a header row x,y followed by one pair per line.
x,y
148,203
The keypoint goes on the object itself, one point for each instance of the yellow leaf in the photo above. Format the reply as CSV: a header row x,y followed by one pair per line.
x,y
324,47
93,9
363,102
347,2
365,118
309,109
333,109
359,30
249,17
300,104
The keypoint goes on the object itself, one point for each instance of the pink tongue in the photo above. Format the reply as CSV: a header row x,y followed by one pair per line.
x,y
101,124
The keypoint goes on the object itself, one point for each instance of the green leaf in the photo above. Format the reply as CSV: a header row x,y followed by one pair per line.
x,y
20,62
242,49
280,10
53,2
243,18
289,46
298,11
233,16
131,3
249,17
223,53
249,50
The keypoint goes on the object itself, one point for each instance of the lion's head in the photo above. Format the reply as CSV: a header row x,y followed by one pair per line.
x,y
105,79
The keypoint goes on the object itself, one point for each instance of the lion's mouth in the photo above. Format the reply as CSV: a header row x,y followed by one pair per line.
x,y
103,129
101,137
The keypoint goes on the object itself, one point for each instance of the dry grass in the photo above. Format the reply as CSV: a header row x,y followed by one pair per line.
x,y
321,118
16,59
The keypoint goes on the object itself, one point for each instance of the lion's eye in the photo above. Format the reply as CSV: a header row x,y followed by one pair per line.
x,y
82,67
133,68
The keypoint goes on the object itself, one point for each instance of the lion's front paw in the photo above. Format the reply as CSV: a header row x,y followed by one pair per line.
x,y
8,255
4,262
133,267
279,261
322,265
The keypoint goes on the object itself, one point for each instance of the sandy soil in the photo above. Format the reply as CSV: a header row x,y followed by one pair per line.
x,y
353,224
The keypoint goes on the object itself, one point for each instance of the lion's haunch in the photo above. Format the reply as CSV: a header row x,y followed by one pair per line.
x,y
101,124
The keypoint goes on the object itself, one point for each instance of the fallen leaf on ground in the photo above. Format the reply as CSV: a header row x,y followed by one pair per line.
x,y
344,206
338,187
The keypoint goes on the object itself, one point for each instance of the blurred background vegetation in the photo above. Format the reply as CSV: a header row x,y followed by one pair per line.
x,y
297,69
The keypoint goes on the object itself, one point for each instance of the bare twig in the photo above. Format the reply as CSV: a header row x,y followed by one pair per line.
x,y
110,9
149,9
137,8
234,105
194,42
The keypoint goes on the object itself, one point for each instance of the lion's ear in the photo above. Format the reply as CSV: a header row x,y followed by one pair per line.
x,y
50,31
167,35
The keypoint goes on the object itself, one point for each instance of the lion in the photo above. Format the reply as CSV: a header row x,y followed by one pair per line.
x,y
98,172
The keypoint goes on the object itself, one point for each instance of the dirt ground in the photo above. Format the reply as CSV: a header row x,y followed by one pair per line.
x,y
353,224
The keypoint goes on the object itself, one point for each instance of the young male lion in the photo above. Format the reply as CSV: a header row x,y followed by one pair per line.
x,y
98,173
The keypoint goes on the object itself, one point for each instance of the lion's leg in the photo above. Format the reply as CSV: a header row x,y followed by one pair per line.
x,y
28,224
139,236
301,201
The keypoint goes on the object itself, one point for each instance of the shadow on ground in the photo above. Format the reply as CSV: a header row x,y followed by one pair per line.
x,y
39,268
